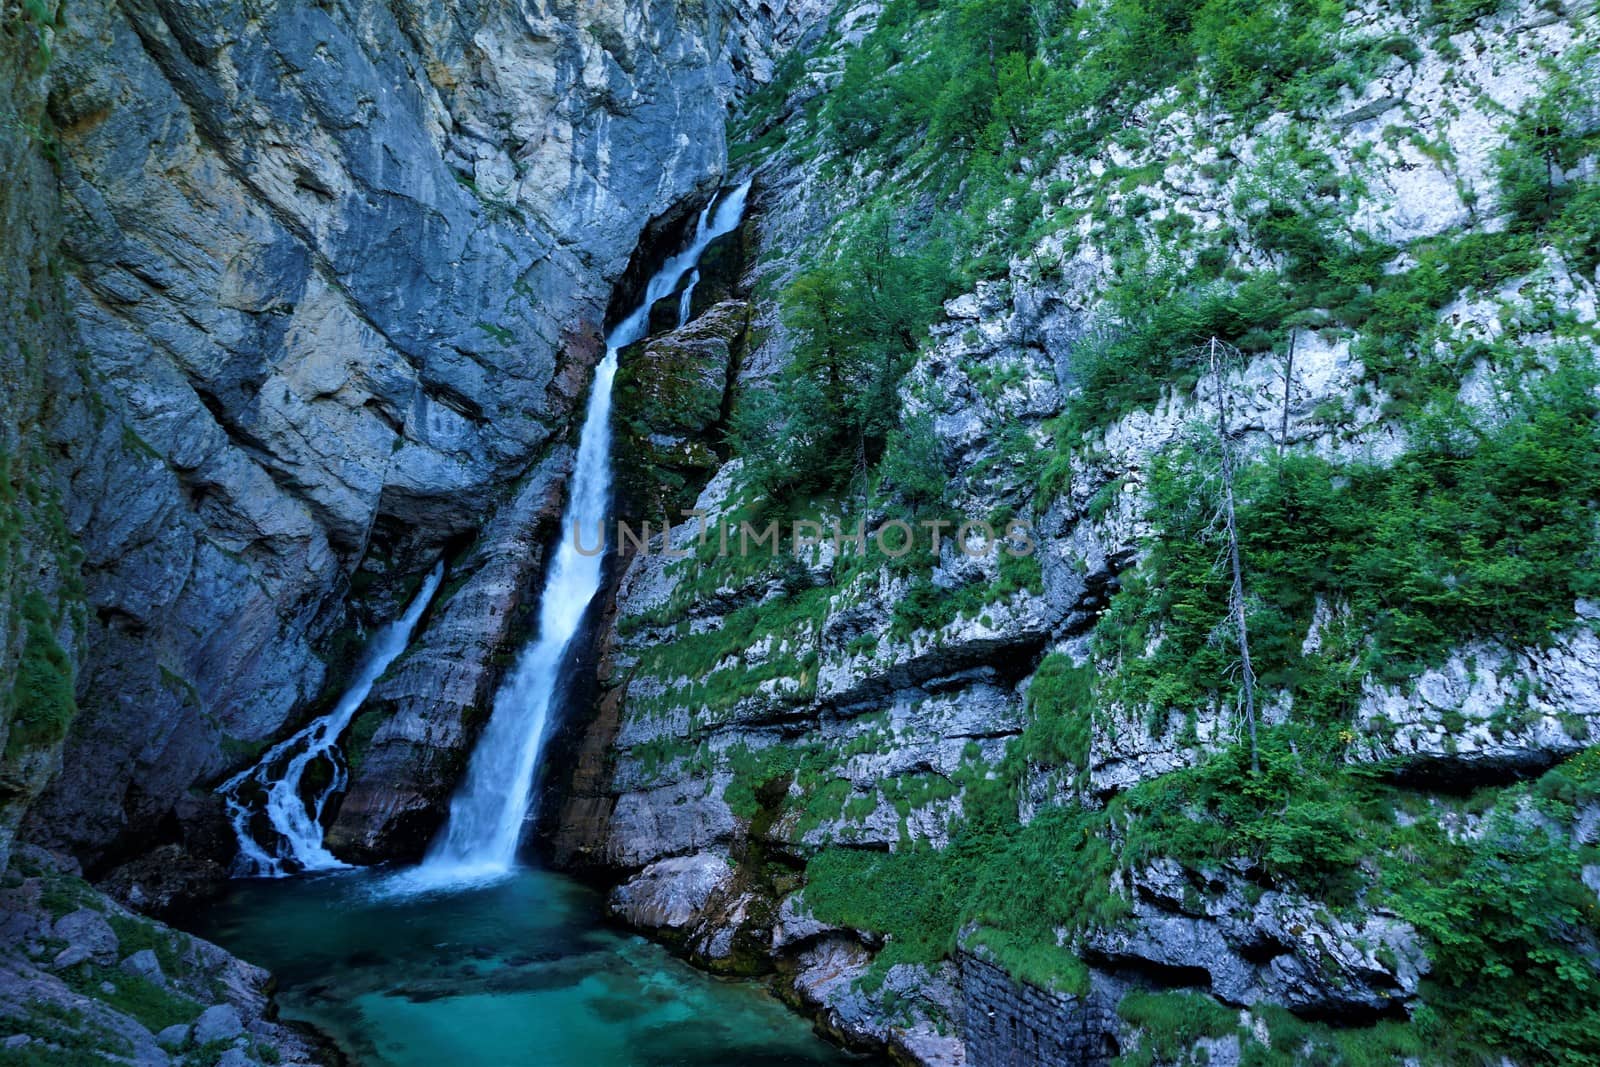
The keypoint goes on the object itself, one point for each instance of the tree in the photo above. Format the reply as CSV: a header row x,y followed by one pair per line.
x,y
1551,135
913,463
857,322
1288,390
1217,355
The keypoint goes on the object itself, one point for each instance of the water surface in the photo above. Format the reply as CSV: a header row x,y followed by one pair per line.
x,y
521,973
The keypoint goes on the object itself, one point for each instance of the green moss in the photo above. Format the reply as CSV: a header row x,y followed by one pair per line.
x,y
1296,1041
1171,1023
717,663
669,398
1476,533
1030,958
42,696
154,1006
1060,713
357,741
498,333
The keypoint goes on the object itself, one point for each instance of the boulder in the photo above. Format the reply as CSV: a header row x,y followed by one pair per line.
x,y
671,893
173,1037
144,964
89,938
220,1022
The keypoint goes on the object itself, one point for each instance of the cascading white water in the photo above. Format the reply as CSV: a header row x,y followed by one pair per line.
x,y
686,301
479,840
294,820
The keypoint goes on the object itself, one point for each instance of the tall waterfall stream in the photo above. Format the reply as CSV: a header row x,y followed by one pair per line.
x,y
470,958
487,815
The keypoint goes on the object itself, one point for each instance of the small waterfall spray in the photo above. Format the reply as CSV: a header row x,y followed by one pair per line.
x,y
479,840
295,818
686,301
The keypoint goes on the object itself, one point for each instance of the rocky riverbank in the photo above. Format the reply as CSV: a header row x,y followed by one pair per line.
x,y
83,978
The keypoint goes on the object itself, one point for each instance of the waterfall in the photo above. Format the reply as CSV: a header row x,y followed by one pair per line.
x,y
687,299
295,818
479,839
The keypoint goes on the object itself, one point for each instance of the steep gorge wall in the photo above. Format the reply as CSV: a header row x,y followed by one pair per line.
x,y
333,276
41,612
757,714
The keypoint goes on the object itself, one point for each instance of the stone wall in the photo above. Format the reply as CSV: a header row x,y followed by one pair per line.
x,y
1013,1024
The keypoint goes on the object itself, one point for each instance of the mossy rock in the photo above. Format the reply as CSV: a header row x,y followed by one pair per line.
x,y
671,394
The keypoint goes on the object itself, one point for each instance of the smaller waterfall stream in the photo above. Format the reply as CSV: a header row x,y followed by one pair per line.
x,y
686,301
295,819
479,840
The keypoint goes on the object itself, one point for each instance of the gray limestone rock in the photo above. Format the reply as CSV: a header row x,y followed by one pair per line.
x,y
174,1037
88,936
671,892
220,1022
336,275
144,964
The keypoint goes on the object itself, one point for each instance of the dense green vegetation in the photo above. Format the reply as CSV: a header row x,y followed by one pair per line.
x,y
1473,533
955,114
42,694
858,319
969,101
1553,133
1482,529
1012,887
1509,906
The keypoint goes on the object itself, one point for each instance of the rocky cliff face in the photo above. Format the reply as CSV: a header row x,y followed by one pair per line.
x,y
319,298
298,299
782,727
305,298
41,610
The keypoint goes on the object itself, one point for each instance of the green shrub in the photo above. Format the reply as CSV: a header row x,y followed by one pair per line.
x,y
1453,16
1060,713
1512,938
1473,534
42,695
1171,1023
1577,228
1551,134
1161,319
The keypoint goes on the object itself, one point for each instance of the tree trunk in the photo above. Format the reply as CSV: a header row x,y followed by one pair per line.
x,y
1288,386
1237,592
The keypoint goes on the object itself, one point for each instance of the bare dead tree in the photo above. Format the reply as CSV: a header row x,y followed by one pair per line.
x,y
1230,522
1288,387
